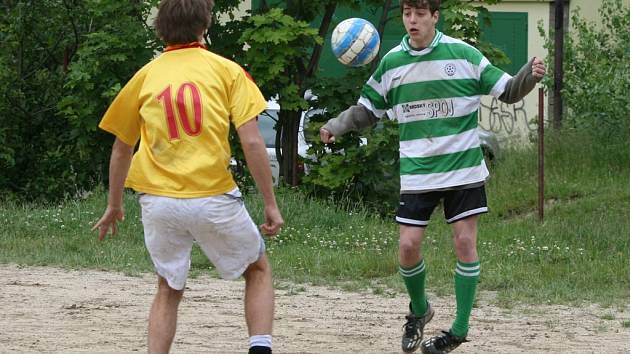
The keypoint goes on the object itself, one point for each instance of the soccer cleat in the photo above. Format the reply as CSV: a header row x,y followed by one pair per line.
x,y
414,329
259,350
443,343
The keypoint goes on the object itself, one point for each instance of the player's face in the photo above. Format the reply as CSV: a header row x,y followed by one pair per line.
x,y
420,25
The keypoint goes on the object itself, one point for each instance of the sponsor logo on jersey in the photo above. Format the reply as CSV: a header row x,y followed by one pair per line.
x,y
439,108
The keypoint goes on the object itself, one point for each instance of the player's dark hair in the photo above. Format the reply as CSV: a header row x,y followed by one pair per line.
x,y
432,5
182,21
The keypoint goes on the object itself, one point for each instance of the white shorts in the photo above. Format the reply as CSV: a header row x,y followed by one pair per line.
x,y
220,225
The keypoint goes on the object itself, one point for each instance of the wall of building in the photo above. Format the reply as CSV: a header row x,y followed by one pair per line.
x,y
515,123
589,9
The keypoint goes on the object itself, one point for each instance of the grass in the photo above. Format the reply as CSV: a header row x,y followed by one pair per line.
x,y
579,253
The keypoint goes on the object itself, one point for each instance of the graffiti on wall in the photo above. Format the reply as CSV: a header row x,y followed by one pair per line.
x,y
501,117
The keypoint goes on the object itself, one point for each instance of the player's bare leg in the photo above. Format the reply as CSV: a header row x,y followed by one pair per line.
x,y
412,270
466,279
465,238
259,297
163,317
410,245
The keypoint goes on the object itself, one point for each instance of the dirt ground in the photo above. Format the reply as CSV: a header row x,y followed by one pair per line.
x,y
59,311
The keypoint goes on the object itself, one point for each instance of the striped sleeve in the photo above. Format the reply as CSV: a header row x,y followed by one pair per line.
x,y
492,80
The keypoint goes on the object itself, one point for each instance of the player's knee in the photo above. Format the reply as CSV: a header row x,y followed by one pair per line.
x,y
409,249
259,268
165,289
465,243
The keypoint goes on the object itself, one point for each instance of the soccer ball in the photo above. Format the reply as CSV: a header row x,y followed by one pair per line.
x,y
355,42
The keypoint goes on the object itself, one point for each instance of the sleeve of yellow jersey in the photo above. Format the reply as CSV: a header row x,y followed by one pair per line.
x,y
246,100
123,116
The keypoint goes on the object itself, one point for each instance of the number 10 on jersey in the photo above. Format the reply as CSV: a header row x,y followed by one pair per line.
x,y
191,128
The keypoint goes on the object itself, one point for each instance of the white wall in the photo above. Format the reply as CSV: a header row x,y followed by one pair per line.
x,y
514,123
589,9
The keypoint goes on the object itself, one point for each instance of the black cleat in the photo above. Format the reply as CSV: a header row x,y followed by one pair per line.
x,y
414,329
444,343
259,350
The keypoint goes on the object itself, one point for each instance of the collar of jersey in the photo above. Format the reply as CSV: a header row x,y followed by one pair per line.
x,y
407,48
184,46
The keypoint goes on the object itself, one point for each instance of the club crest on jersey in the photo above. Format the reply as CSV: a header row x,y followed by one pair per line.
x,y
449,69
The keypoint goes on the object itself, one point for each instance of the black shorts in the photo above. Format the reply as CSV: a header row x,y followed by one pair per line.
x,y
416,209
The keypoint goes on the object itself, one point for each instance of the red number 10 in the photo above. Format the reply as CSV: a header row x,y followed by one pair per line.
x,y
166,98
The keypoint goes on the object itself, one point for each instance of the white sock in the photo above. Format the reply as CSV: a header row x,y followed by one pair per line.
x,y
263,340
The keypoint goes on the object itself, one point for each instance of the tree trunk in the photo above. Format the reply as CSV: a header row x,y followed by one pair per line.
x,y
290,122
558,63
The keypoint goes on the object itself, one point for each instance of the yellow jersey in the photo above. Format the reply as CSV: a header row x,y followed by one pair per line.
x,y
180,106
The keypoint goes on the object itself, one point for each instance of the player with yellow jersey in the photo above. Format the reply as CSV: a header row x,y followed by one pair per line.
x,y
178,110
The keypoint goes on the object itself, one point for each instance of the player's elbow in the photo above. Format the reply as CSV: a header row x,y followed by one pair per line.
x,y
508,99
251,143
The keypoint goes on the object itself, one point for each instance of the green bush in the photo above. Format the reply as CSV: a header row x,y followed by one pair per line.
x,y
60,65
596,75
348,169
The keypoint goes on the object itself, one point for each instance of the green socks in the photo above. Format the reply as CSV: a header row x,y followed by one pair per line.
x,y
414,281
466,279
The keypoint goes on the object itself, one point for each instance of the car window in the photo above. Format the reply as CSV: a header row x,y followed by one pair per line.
x,y
266,124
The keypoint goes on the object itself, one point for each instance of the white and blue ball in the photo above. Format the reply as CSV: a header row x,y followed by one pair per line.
x,y
355,42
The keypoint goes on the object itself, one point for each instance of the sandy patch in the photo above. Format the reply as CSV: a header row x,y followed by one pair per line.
x,y
59,311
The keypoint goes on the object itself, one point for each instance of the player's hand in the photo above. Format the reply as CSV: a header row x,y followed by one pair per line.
x,y
326,136
273,221
109,220
538,69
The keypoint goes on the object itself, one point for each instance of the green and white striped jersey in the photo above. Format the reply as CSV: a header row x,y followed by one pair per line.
x,y
434,94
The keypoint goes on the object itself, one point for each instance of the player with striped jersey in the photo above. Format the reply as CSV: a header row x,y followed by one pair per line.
x,y
178,109
432,85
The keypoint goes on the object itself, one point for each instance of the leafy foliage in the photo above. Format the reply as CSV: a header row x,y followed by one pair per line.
x,y
277,42
596,75
61,64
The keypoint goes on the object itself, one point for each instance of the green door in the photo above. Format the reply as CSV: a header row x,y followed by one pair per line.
x,y
508,32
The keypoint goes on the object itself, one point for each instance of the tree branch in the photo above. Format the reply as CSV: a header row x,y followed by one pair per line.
x,y
75,47
323,29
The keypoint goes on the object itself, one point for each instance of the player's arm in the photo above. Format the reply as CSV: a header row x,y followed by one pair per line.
x,y
118,168
354,118
258,163
524,81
